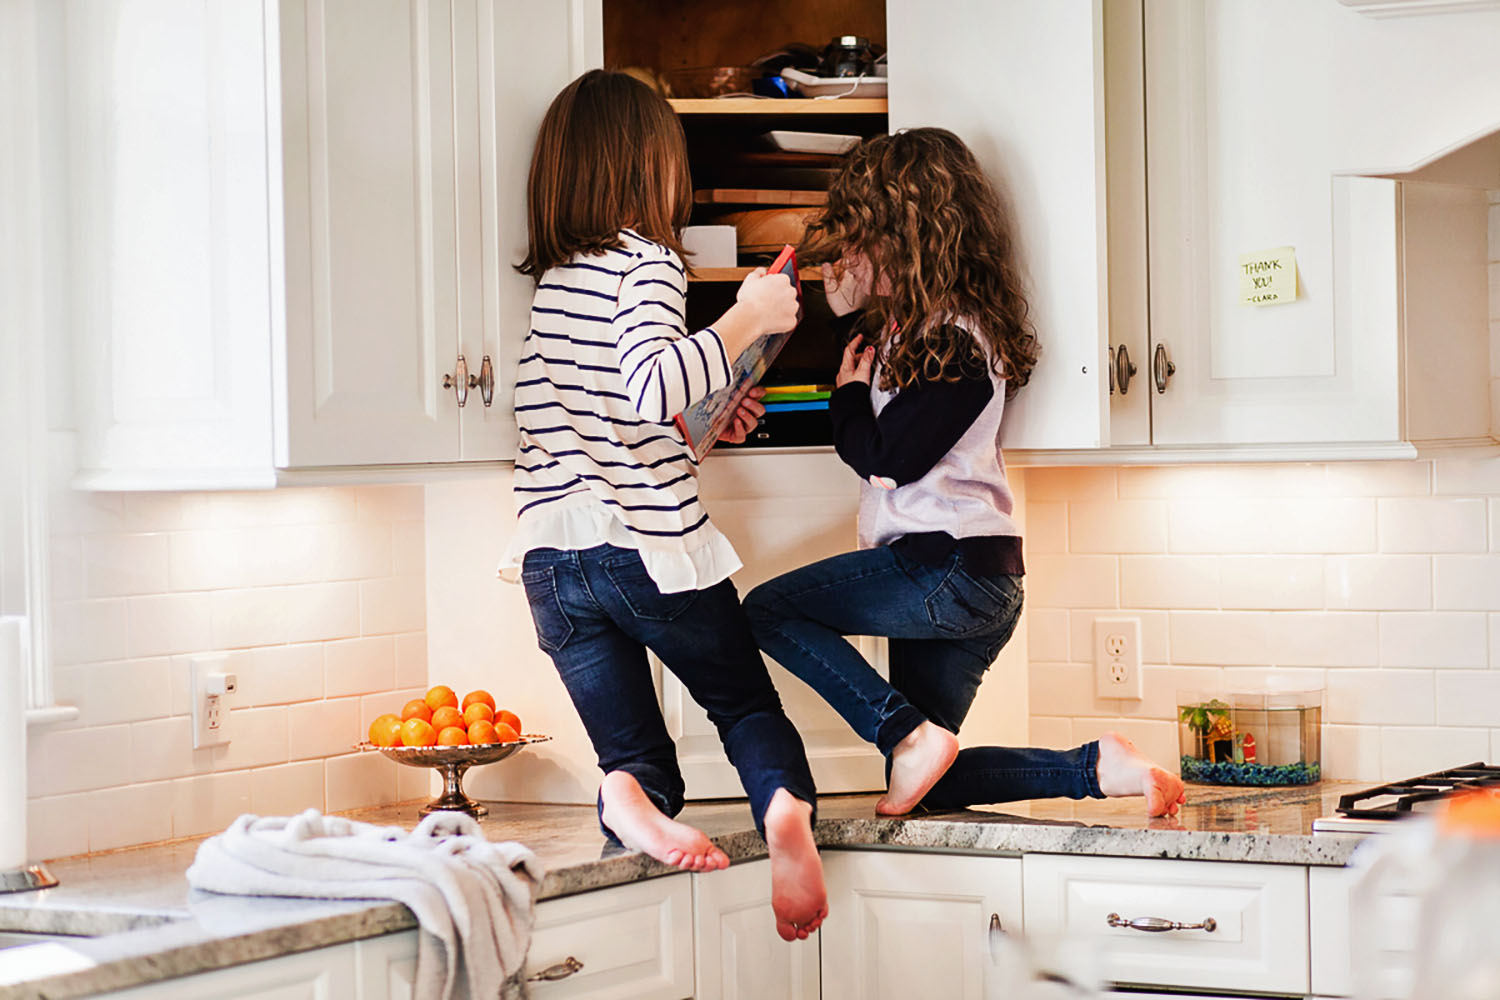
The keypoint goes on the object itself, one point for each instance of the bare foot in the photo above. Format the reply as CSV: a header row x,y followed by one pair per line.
x,y
1124,770
640,826
798,896
916,765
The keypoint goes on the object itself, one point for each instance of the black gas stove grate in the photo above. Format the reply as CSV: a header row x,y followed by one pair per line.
x,y
1398,797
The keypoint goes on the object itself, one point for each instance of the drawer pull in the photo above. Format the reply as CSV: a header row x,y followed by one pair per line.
x,y
1156,925
562,970
996,938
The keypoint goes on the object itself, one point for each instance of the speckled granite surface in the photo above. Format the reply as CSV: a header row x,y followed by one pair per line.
x,y
155,927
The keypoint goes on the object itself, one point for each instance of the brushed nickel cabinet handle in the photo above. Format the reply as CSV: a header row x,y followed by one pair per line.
x,y
996,936
1157,925
1125,369
485,383
460,381
562,970
1162,368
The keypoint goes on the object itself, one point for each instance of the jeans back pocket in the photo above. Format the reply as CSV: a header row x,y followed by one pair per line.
x,y
641,594
553,626
963,605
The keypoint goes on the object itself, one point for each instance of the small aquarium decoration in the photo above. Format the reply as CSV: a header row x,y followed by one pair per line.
x,y
1259,738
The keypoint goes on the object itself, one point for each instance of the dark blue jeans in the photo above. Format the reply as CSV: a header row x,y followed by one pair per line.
x,y
597,612
945,625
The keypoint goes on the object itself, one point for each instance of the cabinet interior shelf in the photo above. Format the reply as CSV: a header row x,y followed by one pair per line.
x,y
707,274
779,106
758,196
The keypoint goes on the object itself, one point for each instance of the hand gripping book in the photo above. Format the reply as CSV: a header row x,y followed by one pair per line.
x,y
703,422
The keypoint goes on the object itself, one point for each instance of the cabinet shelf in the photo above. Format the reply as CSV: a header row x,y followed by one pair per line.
x,y
771,107
710,274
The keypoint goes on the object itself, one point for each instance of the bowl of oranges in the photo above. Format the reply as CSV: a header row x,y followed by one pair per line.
x,y
452,735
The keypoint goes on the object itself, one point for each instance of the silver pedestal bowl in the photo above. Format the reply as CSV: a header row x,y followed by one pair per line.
x,y
451,763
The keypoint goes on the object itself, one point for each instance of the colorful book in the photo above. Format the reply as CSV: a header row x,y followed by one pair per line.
x,y
703,422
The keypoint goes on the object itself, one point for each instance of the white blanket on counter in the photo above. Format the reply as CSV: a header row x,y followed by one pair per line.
x,y
475,900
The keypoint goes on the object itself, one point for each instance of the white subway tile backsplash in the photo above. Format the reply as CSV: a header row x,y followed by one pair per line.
x,y
1470,476
170,623
163,748
1118,526
107,693
358,780
1466,583
1434,639
59,761
411,660
408,549
393,604
133,814
1468,698
324,728
1213,638
56,826
1432,524
1351,753
359,666
1270,582
123,565
153,512
1270,526
1062,689
287,789
1378,583
257,737
1169,581
1046,528
88,631
1156,739
1407,751
1380,697
209,803
324,611
391,503
284,506
1046,635
1378,479
1071,485
1325,639
1222,481
65,567
1053,732
276,675
1073,581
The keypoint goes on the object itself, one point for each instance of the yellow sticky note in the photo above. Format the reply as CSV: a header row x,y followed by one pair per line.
x,y
1268,277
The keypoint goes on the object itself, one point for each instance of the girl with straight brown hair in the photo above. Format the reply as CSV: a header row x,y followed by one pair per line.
x,y
615,550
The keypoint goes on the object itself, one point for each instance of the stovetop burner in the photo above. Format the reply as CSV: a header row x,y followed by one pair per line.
x,y
1400,798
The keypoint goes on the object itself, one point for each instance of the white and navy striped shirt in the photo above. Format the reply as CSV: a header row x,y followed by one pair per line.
x,y
606,367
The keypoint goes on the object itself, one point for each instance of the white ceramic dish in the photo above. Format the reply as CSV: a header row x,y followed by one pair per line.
x,y
811,142
834,86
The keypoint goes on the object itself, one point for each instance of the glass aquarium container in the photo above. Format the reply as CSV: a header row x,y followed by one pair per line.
x,y
1251,738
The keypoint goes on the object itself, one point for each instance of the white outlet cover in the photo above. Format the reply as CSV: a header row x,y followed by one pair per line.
x,y
200,670
1117,658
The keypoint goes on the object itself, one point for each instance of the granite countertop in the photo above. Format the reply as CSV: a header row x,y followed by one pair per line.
x,y
154,927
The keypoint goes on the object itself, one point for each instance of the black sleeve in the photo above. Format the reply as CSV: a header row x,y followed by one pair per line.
x,y
914,430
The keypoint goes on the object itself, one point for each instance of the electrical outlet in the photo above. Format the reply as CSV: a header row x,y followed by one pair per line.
x,y
210,686
1117,658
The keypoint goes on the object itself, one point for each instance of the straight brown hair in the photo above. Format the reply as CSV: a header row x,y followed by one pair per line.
x,y
610,155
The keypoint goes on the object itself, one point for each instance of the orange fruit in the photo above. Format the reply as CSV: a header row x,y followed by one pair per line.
x,y
416,709
511,719
453,736
478,712
418,733
483,731
481,696
385,731
506,734
441,695
446,718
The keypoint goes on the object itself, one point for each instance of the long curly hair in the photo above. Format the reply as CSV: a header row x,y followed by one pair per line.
x,y
918,208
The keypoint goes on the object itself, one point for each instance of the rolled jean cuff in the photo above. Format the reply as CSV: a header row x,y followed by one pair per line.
x,y
1091,769
897,727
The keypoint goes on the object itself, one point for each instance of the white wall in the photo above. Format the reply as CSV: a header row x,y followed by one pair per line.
x,y
316,594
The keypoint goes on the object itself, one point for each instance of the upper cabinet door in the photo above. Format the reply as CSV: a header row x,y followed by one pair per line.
x,y
1022,83
1255,112
524,54
369,273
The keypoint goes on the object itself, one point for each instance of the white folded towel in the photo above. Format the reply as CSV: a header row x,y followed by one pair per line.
x,y
475,901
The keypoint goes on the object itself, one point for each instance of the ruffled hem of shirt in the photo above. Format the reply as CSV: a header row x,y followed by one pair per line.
x,y
579,526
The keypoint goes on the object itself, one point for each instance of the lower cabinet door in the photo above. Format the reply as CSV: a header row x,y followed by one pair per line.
x,y
740,955
903,925
387,966
321,974
1246,923
1343,946
632,941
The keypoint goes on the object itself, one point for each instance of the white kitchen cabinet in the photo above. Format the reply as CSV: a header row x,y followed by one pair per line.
x,y
739,955
1340,944
290,220
1023,84
321,974
1273,124
916,925
387,967
1258,941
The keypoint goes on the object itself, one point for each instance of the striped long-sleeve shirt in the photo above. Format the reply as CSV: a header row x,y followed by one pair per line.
x,y
606,367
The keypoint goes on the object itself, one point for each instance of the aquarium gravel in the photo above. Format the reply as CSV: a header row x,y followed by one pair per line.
x,y
1229,773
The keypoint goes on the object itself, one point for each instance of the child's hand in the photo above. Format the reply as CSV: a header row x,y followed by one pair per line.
x,y
746,417
857,363
770,300
847,285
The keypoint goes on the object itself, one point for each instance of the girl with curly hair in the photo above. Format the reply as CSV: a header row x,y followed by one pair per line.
x,y
928,282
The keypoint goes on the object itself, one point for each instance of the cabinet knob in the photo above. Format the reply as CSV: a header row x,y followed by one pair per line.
x,y
485,382
1162,368
995,938
1125,369
1157,925
459,381
562,970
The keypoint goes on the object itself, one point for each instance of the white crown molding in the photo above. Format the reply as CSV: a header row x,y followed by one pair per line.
x,y
1418,8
